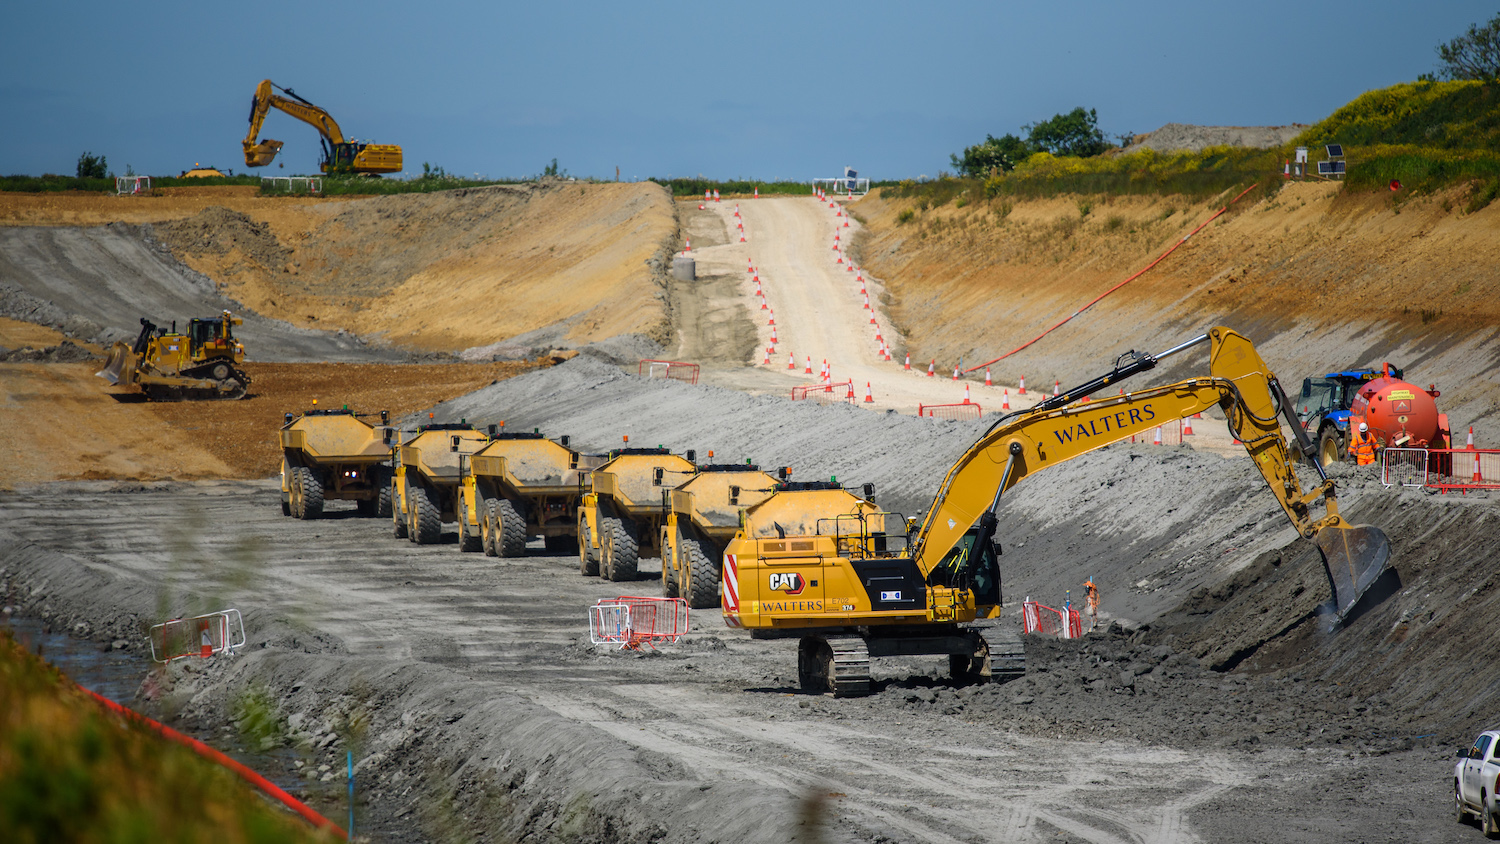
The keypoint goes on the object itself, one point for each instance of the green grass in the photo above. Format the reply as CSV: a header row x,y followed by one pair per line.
x,y
744,187
69,772
1461,115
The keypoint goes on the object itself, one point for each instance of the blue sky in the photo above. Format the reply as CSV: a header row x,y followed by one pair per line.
x,y
756,90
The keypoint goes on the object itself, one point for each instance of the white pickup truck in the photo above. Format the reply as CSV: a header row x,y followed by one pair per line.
x,y
1476,779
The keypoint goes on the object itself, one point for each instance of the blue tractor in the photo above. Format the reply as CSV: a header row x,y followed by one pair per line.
x,y
1323,409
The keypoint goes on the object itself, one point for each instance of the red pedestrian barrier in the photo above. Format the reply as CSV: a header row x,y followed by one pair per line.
x,y
673,369
950,411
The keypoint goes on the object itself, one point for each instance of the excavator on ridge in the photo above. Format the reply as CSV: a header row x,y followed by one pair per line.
x,y
851,590
339,155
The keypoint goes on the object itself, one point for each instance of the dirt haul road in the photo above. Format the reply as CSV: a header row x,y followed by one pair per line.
x,y
469,691
820,315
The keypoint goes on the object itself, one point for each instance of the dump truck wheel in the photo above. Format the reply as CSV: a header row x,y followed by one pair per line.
x,y
510,530
560,544
621,549
294,496
398,519
669,548
381,477
311,499
469,539
702,588
487,528
588,561
426,521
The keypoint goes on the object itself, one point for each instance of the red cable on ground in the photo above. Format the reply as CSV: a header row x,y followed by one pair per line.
x,y
1137,275
213,755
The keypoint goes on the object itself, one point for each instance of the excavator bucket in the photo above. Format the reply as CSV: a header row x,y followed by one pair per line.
x,y
1356,556
259,155
119,364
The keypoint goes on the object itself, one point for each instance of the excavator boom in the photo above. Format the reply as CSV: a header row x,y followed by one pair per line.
x,y
1061,428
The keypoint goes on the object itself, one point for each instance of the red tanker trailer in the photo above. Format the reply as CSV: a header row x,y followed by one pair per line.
x,y
1401,414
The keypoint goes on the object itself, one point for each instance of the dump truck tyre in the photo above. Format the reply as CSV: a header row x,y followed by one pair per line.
x,y
702,590
426,520
510,530
588,561
286,504
398,519
621,549
382,478
312,493
487,528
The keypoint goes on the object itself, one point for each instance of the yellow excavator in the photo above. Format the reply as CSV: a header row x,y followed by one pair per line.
x,y
339,155
850,590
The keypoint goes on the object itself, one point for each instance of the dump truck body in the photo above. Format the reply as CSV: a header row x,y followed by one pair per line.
x,y
520,486
333,455
620,517
703,515
426,478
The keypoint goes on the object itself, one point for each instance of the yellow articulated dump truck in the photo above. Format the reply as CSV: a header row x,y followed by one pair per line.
x,y
519,486
620,517
703,515
167,366
334,455
425,478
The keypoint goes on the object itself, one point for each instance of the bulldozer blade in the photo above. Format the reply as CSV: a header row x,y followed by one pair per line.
x,y
1356,556
115,364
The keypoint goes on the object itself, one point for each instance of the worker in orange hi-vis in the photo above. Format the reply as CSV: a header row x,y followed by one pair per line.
x,y
1092,602
1362,445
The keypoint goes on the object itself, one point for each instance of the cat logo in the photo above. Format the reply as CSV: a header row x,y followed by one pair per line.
x,y
789,582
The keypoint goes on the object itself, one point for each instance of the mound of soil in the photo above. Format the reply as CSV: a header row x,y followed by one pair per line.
x,y
1185,136
65,352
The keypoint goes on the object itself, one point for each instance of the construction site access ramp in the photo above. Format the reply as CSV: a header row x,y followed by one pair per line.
x,y
334,437
634,479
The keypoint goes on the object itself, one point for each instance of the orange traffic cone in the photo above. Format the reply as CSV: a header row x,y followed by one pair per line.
x,y
791,361
763,305
931,370
1006,404
1022,391
757,193
742,238
1187,427
908,363
987,381
955,373
772,320
1056,386
1156,437
850,396
768,356
688,246
808,371
869,394
966,394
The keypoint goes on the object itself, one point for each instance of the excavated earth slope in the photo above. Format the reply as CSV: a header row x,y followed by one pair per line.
x,y
1318,279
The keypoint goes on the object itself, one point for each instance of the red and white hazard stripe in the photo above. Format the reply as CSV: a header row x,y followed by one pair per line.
x,y
731,591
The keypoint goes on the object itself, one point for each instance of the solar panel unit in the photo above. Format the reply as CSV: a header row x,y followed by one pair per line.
x,y
1335,150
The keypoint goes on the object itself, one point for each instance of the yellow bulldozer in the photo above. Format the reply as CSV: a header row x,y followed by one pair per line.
x,y
850,589
340,155
703,514
201,364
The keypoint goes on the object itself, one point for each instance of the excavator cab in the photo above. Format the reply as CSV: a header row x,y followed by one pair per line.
x,y
973,564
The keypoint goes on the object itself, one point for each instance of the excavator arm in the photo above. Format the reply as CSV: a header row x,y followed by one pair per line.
x,y
259,154
1060,429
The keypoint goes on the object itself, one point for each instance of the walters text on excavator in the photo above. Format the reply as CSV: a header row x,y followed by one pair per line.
x,y
850,589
